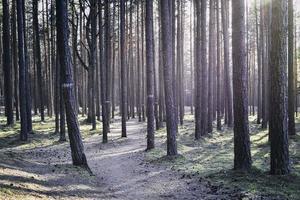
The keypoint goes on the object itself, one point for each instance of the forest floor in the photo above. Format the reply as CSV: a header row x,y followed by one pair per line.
x,y
41,168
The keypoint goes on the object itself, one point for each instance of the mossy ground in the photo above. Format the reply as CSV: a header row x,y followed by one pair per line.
x,y
212,158
43,133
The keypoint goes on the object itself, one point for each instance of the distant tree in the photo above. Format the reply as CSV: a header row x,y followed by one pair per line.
x,y
123,68
227,82
291,79
211,67
38,56
219,112
15,58
7,67
259,65
204,69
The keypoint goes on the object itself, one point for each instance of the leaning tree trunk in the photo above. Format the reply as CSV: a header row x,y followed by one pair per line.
x,y
76,144
278,128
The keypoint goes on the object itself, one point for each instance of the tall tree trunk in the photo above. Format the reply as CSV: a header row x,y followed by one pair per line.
x,y
22,72
198,77
15,59
212,26
291,79
219,100
278,128
27,73
38,57
242,155
103,77
204,94
107,41
7,67
150,74
123,68
227,85
259,66
76,144
167,62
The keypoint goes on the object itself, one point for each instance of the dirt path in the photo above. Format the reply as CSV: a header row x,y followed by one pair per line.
x,y
120,170
120,165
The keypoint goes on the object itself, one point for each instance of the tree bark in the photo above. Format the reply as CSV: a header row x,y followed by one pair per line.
x,y
278,128
242,155
167,63
7,67
22,72
150,74
78,155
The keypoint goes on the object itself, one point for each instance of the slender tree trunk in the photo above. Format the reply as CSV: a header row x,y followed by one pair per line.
x,y
107,36
15,59
212,26
22,72
227,85
198,77
7,67
219,100
27,74
167,62
123,68
150,74
38,57
291,79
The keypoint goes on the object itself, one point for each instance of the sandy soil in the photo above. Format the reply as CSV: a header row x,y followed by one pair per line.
x,y
119,167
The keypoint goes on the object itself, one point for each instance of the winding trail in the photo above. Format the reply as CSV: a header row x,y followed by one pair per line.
x,y
119,167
